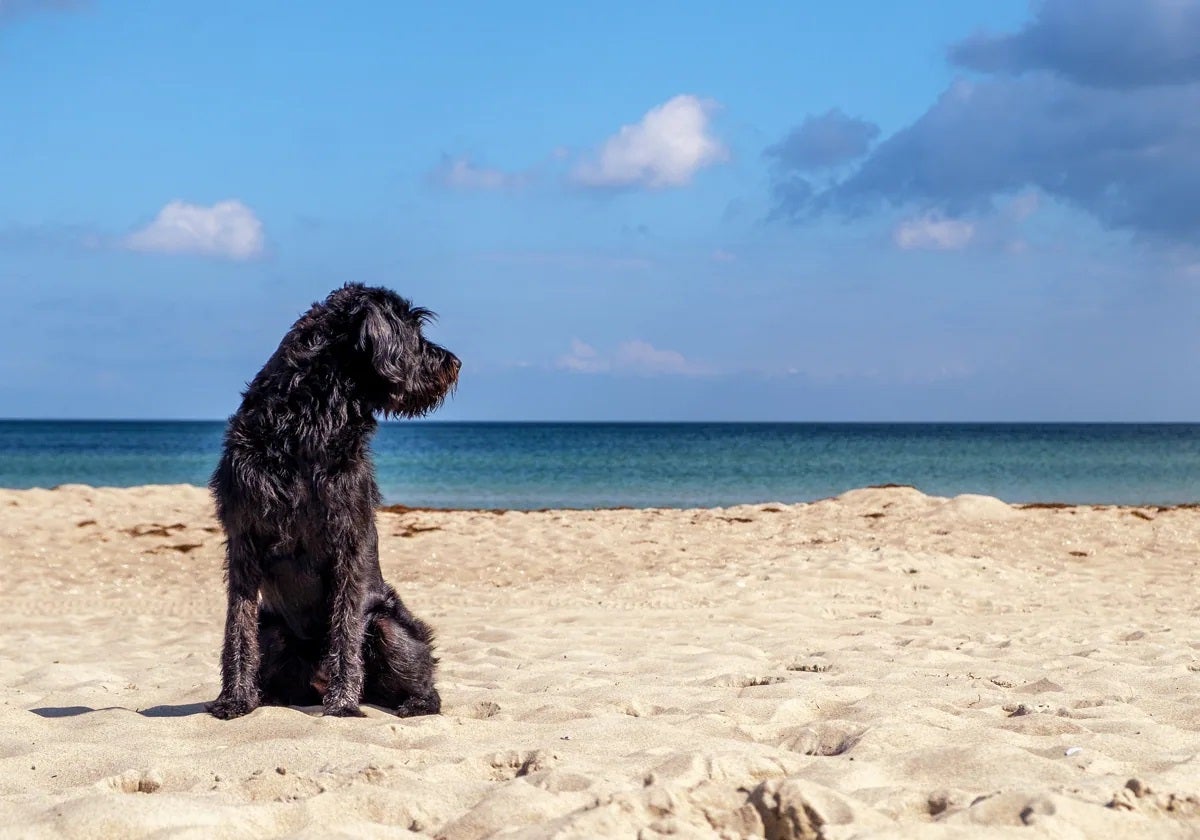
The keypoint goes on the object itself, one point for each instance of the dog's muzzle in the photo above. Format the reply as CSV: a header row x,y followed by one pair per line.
x,y
450,370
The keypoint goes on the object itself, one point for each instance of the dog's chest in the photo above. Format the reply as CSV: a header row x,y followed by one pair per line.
x,y
296,588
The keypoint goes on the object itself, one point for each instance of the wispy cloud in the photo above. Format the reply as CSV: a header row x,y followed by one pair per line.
x,y
666,148
643,357
227,229
636,357
1022,206
932,233
462,173
583,358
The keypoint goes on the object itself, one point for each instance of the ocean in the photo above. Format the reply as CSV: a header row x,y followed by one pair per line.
x,y
590,465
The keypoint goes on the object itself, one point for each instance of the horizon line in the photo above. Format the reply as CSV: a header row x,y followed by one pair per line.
x,y
438,421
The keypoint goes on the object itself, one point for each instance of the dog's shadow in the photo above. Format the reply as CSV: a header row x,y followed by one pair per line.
x,y
164,711
167,711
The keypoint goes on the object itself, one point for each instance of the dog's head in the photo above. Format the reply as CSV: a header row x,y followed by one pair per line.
x,y
400,371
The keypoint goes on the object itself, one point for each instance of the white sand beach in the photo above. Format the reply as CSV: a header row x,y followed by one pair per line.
x,y
881,665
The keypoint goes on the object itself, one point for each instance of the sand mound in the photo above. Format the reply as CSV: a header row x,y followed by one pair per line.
x,y
971,508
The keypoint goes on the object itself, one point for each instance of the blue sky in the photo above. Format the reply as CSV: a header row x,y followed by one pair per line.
x,y
673,211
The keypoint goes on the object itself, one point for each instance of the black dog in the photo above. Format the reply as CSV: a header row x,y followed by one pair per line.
x,y
311,619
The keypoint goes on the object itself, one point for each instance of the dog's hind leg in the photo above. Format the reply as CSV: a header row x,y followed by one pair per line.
x,y
240,653
398,654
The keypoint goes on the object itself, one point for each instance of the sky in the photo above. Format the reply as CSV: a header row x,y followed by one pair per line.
x,y
943,210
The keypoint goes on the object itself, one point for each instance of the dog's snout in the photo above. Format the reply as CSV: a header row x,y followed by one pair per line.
x,y
455,362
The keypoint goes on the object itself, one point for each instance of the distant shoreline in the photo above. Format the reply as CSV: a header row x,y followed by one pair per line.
x,y
776,506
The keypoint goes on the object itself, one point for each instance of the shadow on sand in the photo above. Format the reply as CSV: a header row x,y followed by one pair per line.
x,y
183,710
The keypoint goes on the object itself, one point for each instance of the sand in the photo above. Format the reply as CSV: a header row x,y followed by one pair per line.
x,y
885,664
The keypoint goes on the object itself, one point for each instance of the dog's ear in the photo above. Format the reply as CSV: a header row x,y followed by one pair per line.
x,y
382,340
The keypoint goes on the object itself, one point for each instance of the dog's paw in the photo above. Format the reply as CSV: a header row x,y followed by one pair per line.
x,y
344,710
228,708
426,704
338,704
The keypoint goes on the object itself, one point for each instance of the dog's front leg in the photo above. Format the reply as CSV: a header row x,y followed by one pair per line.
x,y
239,655
343,665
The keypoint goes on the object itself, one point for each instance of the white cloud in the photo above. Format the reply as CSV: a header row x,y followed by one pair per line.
x,y
583,358
665,149
461,173
933,233
226,229
636,357
722,256
643,357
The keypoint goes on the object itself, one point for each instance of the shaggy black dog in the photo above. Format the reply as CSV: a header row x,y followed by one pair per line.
x,y
311,619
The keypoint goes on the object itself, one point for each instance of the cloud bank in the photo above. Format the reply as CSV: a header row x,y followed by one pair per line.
x,y
1098,111
1104,43
823,141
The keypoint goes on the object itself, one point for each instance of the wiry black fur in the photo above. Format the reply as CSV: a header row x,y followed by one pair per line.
x,y
310,616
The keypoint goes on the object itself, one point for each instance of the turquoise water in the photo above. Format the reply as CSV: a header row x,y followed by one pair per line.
x,y
583,465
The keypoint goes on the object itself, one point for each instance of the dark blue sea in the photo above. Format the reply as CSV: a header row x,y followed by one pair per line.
x,y
586,465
